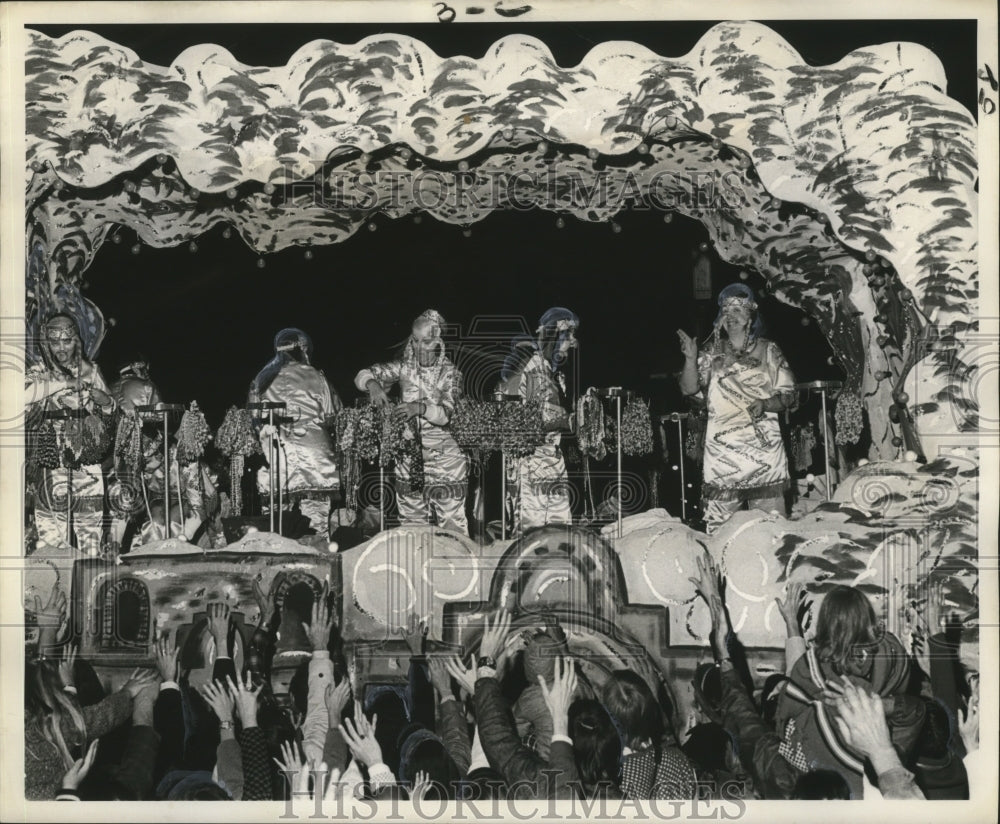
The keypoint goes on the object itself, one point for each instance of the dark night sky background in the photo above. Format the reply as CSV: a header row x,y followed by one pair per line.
x,y
206,320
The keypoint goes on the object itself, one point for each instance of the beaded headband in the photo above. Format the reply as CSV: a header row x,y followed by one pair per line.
x,y
60,334
736,301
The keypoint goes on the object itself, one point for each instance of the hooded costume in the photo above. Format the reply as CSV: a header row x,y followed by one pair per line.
x,y
446,469
306,458
80,488
537,485
744,459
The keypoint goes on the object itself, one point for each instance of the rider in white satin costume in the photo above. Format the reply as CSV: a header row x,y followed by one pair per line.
x,y
537,485
746,382
307,461
66,379
429,385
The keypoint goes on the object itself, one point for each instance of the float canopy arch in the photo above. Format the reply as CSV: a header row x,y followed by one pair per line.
x,y
849,188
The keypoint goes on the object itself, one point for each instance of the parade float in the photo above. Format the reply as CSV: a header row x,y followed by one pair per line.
x,y
849,191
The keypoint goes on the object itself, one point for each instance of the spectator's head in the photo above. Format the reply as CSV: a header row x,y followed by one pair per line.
x,y
596,744
708,690
846,631
103,784
710,748
935,734
483,784
540,657
422,751
821,785
190,785
386,701
769,695
51,707
631,702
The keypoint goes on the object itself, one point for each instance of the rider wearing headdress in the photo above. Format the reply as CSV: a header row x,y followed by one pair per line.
x,y
745,381
66,379
306,458
430,385
538,486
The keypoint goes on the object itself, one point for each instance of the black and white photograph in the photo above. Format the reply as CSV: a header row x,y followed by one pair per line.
x,y
499,409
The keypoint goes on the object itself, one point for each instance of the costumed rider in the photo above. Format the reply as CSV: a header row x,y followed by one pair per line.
x,y
307,462
66,379
537,485
429,387
138,447
745,381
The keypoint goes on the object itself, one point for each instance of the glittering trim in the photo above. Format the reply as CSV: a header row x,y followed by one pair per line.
x,y
711,492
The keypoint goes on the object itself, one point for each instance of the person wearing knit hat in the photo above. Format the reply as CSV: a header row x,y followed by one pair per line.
x,y
531,715
538,487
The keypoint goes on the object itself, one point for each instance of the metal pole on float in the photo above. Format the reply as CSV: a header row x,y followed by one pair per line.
x,y
826,444
164,410
678,418
680,462
618,433
822,387
269,407
69,506
166,473
616,393
281,494
381,492
270,470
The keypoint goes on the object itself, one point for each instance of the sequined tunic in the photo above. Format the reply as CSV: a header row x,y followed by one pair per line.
x,y
743,458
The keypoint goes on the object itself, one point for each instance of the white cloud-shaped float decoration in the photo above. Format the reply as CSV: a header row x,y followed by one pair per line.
x,y
813,168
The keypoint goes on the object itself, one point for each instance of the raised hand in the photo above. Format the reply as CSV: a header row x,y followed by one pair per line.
x,y
321,626
439,675
795,602
218,626
139,680
78,771
861,721
495,635
414,633
245,698
220,700
689,346
466,677
291,761
66,664
968,725
166,659
50,616
560,696
265,604
360,737
709,585
421,784
336,699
